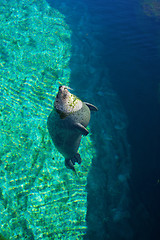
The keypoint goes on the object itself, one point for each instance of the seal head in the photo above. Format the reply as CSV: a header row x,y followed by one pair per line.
x,y
65,102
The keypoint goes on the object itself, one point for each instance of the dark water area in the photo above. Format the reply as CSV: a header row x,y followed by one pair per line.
x,y
125,37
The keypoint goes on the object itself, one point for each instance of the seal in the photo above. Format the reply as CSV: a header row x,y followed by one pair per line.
x,y
67,123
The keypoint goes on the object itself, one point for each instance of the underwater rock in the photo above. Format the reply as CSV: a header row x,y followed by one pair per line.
x,y
35,53
108,215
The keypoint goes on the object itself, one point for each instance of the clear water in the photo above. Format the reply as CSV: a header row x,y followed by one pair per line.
x,y
123,37
115,58
39,197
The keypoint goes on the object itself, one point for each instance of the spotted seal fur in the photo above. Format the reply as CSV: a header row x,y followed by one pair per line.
x,y
67,123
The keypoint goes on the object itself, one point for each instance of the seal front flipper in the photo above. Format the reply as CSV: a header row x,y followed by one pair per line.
x,y
91,106
81,128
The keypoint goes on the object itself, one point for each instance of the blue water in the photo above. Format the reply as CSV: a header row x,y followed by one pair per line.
x,y
115,59
124,38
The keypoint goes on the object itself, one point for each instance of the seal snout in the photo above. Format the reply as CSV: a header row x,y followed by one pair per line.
x,y
62,89
63,92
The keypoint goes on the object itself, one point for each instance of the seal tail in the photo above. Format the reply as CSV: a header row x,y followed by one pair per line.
x,y
71,162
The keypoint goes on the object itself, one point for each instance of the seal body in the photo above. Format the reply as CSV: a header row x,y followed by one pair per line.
x,y
67,123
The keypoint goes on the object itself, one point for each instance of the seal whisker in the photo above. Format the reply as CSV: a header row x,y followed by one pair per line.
x,y
68,87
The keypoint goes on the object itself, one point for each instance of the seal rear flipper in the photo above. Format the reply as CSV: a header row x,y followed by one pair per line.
x,y
91,106
69,164
81,128
76,158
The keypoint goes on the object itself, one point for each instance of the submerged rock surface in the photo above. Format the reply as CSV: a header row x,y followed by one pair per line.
x,y
108,211
39,198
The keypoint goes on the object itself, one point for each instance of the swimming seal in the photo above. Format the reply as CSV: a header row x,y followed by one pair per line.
x,y
67,123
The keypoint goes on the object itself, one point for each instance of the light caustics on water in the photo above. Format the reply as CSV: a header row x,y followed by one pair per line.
x,y
39,197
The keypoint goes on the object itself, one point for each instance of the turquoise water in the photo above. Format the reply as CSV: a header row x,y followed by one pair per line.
x,y
39,197
108,52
